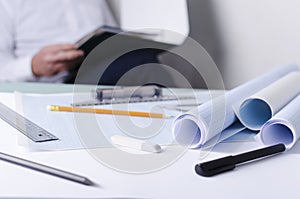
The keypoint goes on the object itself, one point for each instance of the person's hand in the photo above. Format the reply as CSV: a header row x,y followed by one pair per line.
x,y
54,59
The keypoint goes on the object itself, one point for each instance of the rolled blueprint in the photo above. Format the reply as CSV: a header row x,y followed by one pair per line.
x,y
193,129
256,110
284,127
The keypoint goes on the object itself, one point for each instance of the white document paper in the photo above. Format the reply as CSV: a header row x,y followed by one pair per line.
x,y
86,130
256,110
198,126
284,127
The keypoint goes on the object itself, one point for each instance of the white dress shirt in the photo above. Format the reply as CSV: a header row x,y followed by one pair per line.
x,y
29,25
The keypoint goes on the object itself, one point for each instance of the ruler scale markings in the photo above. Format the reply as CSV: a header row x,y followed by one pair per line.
x,y
25,126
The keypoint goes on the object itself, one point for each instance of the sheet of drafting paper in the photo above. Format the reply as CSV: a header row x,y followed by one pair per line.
x,y
198,126
284,127
87,130
256,110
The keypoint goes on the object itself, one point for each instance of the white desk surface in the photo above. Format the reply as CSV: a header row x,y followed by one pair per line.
x,y
276,177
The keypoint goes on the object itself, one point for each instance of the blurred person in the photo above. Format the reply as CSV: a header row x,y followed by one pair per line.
x,y
37,37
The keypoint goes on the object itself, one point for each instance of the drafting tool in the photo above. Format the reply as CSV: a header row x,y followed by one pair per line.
x,y
125,95
228,163
106,111
128,100
129,92
45,169
25,126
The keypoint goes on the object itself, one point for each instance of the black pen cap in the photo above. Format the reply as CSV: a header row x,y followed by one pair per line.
x,y
214,167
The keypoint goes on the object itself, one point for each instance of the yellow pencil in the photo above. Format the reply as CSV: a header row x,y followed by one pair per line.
x,y
105,111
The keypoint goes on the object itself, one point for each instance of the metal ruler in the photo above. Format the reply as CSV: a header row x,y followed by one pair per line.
x,y
129,100
25,126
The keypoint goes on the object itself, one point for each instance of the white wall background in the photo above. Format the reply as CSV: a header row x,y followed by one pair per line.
x,y
257,35
245,37
154,14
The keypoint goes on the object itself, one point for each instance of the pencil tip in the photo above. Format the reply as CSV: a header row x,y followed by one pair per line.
x,y
88,182
169,116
